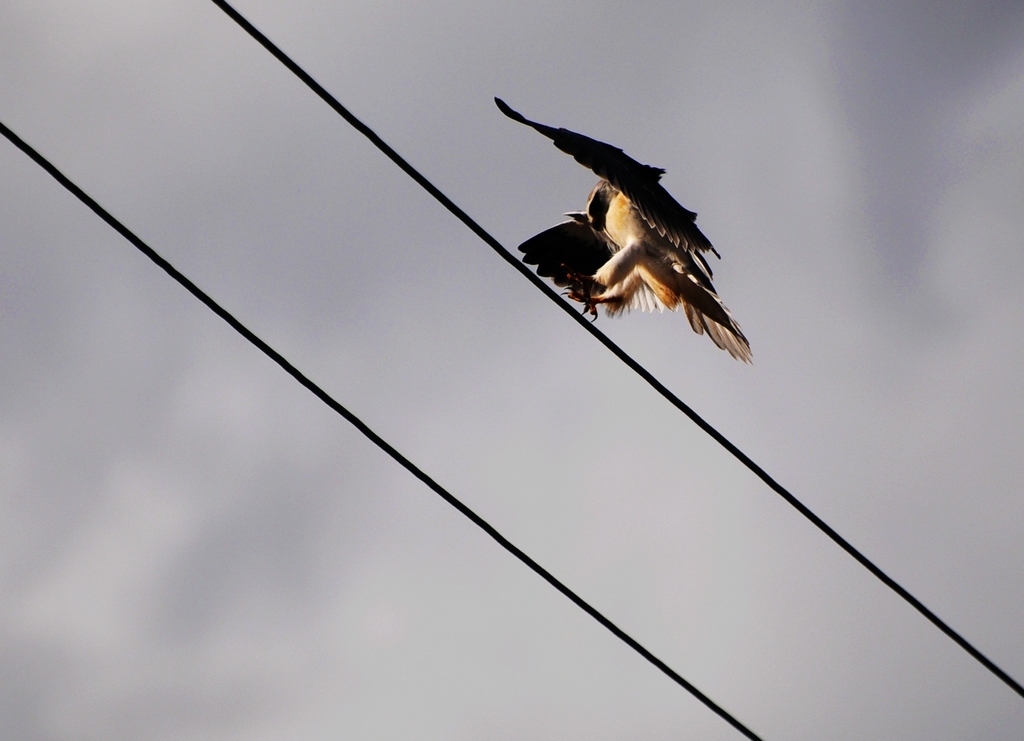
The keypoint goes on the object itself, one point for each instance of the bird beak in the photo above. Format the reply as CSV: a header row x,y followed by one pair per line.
x,y
580,216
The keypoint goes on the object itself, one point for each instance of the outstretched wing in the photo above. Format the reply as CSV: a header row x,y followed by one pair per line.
x,y
637,181
566,252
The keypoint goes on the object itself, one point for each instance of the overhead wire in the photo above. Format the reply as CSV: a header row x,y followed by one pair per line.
x,y
363,428
621,354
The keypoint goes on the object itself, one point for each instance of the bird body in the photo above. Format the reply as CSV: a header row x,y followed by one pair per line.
x,y
634,247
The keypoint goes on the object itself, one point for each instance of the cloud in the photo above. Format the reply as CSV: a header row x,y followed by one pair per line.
x,y
194,546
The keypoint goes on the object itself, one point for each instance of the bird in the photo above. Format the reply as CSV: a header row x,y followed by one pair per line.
x,y
633,247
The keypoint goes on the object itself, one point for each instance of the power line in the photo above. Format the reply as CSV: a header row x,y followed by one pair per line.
x,y
376,439
615,349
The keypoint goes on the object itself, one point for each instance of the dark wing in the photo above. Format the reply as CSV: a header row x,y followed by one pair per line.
x,y
638,181
566,252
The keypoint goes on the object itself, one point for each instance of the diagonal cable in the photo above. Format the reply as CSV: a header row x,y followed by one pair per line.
x,y
615,349
376,439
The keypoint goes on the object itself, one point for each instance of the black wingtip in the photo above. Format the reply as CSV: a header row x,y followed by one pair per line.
x,y
504,108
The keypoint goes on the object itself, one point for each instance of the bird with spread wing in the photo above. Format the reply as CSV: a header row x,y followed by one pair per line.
x,y
635,246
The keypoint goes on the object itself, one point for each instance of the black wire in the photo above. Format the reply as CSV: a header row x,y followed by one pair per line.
x,y
373,436
615,349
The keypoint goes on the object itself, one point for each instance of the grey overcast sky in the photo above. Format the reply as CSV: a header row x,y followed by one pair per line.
x,y
193,547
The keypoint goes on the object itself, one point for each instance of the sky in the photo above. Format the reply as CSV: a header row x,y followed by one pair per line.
x,y
193,547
